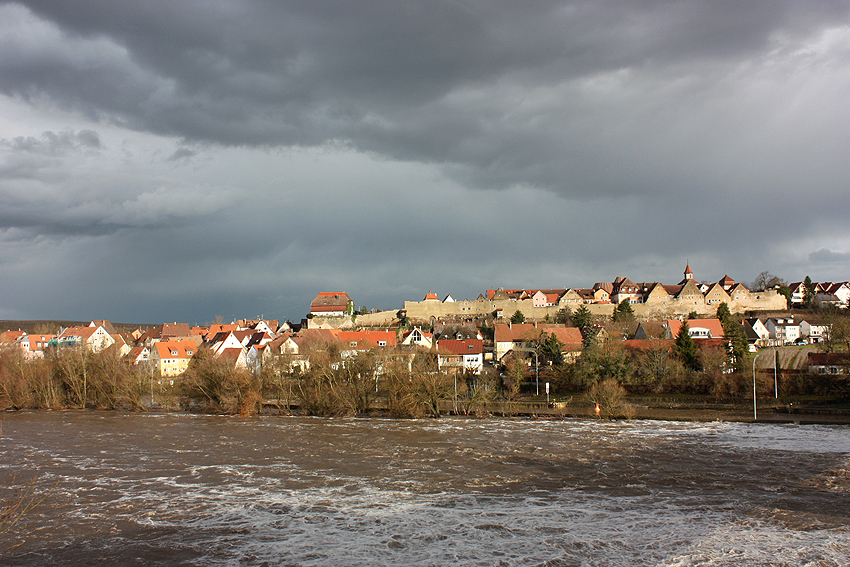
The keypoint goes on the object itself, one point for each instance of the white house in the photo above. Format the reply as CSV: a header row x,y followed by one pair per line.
x,y
756,332
783,330
814,330
418,337
460,355
94,339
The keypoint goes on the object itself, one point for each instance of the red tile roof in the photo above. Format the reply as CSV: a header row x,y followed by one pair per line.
x,y
713,325
465,346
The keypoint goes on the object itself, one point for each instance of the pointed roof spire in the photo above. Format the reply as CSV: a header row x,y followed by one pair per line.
x,y
689,275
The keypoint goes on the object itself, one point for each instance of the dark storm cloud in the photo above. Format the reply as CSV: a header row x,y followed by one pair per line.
x,y
492,88
236,157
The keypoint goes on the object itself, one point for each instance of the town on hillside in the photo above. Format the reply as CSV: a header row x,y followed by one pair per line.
x,y
499,326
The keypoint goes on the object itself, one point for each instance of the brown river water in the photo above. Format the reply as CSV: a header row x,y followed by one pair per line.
x,y
180,489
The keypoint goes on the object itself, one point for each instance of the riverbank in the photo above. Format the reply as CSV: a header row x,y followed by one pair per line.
x,y
643,408
639,408
738,413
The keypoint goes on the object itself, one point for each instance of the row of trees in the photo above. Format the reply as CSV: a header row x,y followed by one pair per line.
x,y
77,378
656,368
71,378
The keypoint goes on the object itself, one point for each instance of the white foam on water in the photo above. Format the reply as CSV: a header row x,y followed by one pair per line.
x,y
483,492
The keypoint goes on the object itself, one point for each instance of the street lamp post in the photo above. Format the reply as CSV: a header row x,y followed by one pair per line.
x,y
775,381
755,414
537,372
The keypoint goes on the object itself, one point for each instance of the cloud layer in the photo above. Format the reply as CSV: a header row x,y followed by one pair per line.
x,y
234,158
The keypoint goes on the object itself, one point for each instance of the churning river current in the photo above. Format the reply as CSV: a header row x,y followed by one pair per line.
x,y
179,489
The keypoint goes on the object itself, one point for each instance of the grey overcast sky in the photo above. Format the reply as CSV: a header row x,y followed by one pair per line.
x,y
177,160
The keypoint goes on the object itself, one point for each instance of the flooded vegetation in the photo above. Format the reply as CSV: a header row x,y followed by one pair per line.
x,y
179,489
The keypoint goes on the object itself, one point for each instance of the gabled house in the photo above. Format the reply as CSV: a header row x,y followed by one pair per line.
x,y
418,337
120,345
354,342
757,334
823,298
605,287
172,358
258,325
716,294
650,330
828,363
508,335
258,338
798,292
814,330
783,330
138,356
332,303
257,355
739,292
225,340
33,346
546,297
690,294
460,355
569,337
94,339
9,339
841,290
570,298
217,328
235,357
175,331
624,288
105,324
697,328
655,293
149,337
588,295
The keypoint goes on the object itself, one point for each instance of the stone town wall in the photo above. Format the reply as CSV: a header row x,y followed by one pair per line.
x,y
421,312
658,310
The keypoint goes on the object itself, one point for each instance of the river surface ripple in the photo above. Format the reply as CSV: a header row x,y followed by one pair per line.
x,y
178,489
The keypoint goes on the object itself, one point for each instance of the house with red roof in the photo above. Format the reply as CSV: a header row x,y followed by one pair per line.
x,y
94,339
418,337
362,341
138,356
332,303
828,363
697,328
33,346
507,337
466,355
546,297
172,358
